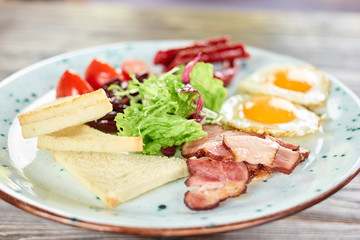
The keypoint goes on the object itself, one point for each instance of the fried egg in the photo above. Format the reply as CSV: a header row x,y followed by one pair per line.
x,y
269,114
302,84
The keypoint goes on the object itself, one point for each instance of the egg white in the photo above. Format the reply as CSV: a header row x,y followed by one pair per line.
x,y
256,84
306,121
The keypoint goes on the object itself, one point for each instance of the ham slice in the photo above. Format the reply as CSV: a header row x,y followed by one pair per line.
x,y
217,181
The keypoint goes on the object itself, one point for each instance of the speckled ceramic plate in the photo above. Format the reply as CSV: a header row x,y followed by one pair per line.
x,y
30,178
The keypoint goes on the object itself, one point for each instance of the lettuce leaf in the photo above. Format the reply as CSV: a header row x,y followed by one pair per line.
x,y
161,117
212,90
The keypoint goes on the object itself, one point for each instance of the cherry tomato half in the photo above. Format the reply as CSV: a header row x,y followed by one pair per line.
x,y
133,66
99,72
71,84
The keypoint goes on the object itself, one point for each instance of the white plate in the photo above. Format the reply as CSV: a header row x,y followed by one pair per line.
x,y
32,180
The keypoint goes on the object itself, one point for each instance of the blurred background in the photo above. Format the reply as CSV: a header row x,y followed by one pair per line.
x,y
277,25
311,5
300,5
325,33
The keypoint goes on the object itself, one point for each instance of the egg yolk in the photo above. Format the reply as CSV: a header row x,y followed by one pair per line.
x,y
293,79
269,109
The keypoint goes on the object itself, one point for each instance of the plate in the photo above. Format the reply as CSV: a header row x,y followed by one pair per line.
x,y
30,179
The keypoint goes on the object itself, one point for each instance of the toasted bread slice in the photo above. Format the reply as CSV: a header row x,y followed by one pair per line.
x,y
84,138
118,177
61,106
63,113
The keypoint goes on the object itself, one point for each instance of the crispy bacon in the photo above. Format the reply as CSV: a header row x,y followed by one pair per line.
x,y
273,153
209,146
224,161
220,144
251,149
217,181
285,144
285,161
304,154
257,172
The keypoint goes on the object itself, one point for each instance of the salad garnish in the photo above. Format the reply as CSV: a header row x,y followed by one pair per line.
x,y
163,117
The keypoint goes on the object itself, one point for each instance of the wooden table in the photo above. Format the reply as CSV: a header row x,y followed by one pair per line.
x,y
30,32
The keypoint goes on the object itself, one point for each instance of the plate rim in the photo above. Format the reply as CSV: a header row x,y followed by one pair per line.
x,y
167,232
172,232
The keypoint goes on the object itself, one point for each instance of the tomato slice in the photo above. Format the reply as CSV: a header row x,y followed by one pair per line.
x,y
99,72
71,84
133,66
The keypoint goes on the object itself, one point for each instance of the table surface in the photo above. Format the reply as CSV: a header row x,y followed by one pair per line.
x,y
33,31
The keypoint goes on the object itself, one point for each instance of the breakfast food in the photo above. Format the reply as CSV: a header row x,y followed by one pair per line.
x,y
184,109
170,111
213,50
84,138
217,181
269,114
118,177
302,84
223,162
64,112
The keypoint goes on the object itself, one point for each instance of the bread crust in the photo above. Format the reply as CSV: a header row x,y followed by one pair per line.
x,y
65,112
84,138
116,177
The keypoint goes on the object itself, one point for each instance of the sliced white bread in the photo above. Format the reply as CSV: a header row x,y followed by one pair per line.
x,y
63,113
61,106
84,138
118,177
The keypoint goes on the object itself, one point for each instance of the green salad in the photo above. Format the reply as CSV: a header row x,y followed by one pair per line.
x,y
163,108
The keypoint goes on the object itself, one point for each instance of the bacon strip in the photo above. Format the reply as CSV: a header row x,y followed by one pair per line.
x,y
257,172
270,152
224,161
304,154
286,160
217,181
252,149
209,146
